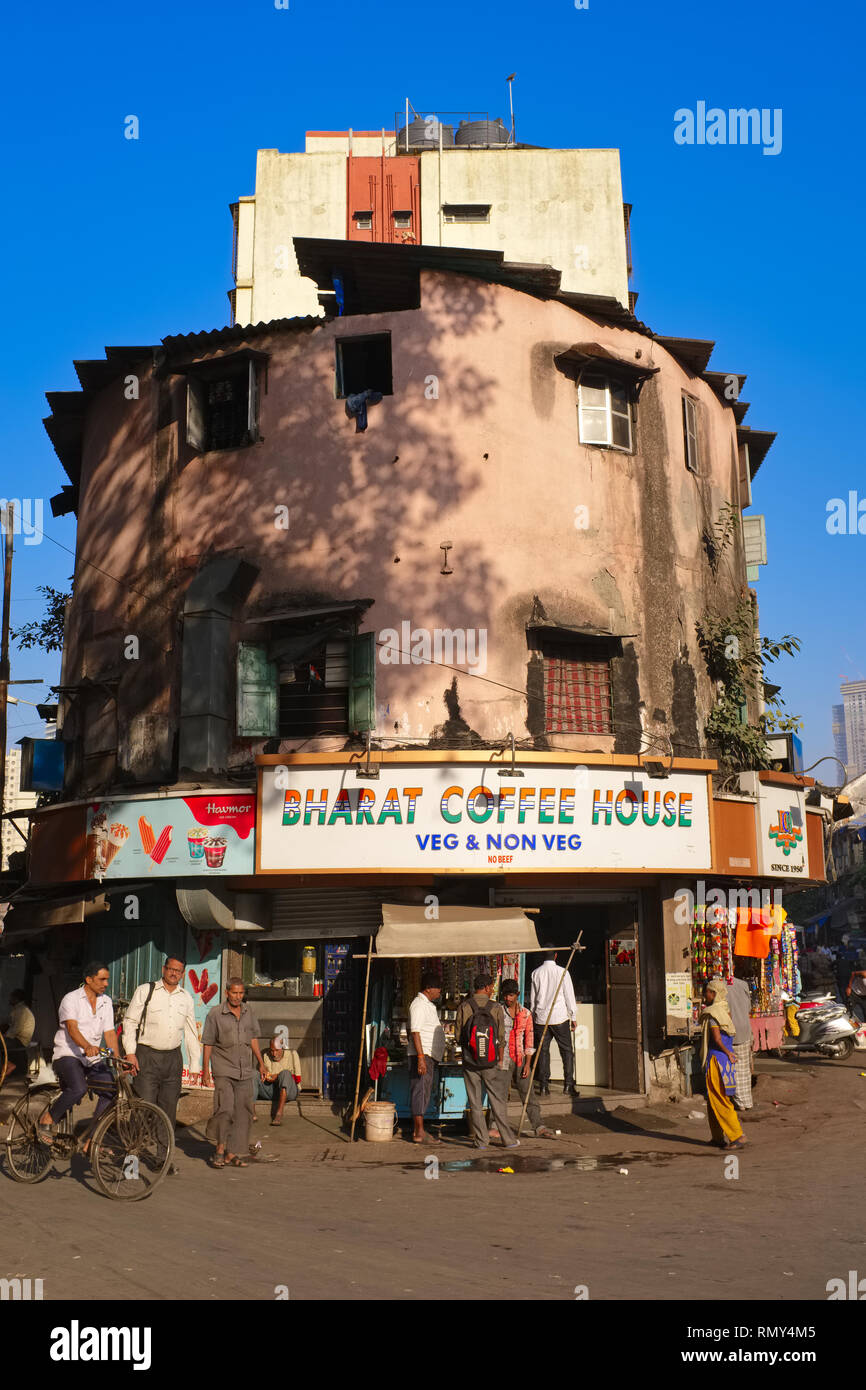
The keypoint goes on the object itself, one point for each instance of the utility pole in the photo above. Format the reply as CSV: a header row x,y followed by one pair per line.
x,y
8,519
509,80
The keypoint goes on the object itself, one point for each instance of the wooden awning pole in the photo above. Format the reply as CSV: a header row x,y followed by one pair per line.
x,y
576,947
363,1047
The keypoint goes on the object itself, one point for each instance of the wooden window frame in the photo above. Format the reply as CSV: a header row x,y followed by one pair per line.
x,y
596,381
691,434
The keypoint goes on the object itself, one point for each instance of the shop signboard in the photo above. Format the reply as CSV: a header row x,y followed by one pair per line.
x,y
440,817
782,844
169,837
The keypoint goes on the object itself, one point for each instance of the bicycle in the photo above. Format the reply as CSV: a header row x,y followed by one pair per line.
x,y
130,1145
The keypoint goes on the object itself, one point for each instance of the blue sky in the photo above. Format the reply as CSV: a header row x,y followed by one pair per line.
x,y
110,241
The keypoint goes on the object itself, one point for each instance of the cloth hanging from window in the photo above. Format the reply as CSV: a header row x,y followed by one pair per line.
x,y
356,407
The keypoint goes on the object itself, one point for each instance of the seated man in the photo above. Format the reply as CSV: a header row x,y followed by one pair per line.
x,y
279,1080
18,1032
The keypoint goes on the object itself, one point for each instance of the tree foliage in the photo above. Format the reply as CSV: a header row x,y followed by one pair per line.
x,y
45,632
736,660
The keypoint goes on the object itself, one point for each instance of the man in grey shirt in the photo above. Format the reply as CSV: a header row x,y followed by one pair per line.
x,y
740,1003
231,1037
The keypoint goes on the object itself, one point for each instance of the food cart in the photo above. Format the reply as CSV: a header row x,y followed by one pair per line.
x,y
458,943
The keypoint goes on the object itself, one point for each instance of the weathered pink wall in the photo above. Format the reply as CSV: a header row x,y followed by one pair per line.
x,y
368,511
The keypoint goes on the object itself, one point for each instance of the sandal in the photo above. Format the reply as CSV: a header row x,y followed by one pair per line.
x,y
235,1162
276,1120
217,1161
45,1133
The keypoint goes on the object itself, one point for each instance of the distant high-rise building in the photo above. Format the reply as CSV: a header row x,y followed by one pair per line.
x,y
840,743
854,695
14,800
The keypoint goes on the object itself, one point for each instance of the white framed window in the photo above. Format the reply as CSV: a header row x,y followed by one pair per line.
x,y
690,434
363,221
402,219
604,413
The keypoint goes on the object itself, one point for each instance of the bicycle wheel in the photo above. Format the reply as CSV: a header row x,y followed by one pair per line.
x,y
28,1158
131,1150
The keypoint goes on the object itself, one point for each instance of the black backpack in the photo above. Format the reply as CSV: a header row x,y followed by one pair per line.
x,y
479,1039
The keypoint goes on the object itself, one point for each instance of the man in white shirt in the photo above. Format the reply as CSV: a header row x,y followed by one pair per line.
x,y
426,1049
86,1016
563,1021
159,1018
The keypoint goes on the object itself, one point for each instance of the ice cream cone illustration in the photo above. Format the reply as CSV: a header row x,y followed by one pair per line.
x,y
117,838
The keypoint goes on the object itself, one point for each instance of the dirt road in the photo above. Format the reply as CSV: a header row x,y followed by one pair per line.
x,y
326,1220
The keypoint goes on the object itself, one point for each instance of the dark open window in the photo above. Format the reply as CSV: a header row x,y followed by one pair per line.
x,y
364,364
222,402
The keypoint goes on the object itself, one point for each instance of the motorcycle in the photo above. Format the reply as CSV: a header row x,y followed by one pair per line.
x,y
826,1027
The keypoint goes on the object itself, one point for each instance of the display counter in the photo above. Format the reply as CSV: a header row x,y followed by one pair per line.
x,y
448,1101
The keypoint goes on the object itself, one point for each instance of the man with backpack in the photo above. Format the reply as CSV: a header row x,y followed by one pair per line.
x,y
481,1029
160,1016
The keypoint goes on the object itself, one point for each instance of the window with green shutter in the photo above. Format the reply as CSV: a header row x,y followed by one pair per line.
x,y
320,685
362,683
258,703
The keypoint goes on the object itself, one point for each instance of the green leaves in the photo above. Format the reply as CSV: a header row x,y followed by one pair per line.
x,y
736,658
45,632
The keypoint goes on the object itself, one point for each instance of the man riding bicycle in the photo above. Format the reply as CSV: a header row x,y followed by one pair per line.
x,y
86,1016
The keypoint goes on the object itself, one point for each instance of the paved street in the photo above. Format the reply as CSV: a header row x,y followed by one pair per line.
x,y
330,1221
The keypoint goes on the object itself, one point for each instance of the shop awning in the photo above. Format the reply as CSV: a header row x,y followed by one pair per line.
x,y
459,931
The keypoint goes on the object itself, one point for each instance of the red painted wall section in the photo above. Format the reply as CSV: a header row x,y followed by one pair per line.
x,y
383,186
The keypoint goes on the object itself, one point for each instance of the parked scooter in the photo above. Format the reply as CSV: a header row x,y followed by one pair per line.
x,y
826,1027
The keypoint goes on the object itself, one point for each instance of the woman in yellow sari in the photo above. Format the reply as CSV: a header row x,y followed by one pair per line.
x,y
717,1060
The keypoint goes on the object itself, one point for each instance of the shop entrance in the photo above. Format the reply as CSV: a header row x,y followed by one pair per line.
x,y
607,1049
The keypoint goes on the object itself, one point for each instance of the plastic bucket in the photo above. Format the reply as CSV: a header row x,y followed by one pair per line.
x,y
380,1121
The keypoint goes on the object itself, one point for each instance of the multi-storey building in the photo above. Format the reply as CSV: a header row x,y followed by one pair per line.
x,y
435,182
854,698
385,611
840,743
14,799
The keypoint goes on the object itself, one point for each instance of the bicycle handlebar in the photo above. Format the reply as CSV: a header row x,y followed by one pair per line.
x,y
109,1057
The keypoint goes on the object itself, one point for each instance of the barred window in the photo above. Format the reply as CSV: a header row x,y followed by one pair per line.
x,y
577,697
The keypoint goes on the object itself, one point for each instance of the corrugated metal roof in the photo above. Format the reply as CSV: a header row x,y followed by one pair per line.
x,y
695,353
377,277
759,441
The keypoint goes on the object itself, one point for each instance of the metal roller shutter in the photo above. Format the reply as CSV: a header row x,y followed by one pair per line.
x,y
326,914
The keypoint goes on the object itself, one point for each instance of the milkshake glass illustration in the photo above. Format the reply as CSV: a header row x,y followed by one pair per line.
x,y
196,840
215,851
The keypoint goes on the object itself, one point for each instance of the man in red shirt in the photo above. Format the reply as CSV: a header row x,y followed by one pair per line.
x,y
521,1046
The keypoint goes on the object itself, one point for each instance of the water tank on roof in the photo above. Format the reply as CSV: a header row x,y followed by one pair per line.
x,y
487,134
424,135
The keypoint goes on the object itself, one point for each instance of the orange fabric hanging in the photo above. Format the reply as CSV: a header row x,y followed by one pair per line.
x,y
751,942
